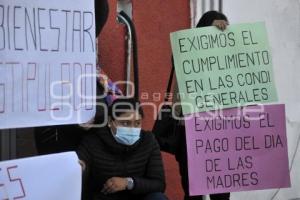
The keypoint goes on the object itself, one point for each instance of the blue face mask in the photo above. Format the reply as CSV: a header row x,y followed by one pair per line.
x,y
127,136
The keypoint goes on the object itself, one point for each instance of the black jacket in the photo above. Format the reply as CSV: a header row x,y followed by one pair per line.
x,y
105,158
60,138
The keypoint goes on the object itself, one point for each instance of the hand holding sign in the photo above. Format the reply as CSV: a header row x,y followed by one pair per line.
x,y
221,24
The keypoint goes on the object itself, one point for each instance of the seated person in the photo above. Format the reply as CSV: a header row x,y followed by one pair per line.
x,y
121,161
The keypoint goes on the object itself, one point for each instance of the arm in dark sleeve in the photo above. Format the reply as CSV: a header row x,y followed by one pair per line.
x,y
154,179
85,154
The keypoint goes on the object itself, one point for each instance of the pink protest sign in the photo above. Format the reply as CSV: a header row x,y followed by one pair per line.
x,y
237,149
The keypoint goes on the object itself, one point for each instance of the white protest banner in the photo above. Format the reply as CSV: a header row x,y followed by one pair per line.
x,y
47,62
56,176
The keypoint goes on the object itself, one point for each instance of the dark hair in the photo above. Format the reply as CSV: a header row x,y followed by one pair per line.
x,y
100,103
208,18
101,14
121,105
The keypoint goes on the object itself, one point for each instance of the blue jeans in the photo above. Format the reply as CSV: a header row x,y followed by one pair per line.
x,y
155,196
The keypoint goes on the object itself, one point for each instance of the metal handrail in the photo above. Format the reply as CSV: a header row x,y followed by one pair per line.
x,y
131,52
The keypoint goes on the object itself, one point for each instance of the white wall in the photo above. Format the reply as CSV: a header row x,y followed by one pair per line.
x,y
282,18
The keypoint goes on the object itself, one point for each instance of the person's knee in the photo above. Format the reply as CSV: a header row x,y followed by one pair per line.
x,y
156,196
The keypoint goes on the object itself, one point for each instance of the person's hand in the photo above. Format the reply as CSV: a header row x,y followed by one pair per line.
x,y
114,184
88,125
220,24
82,164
